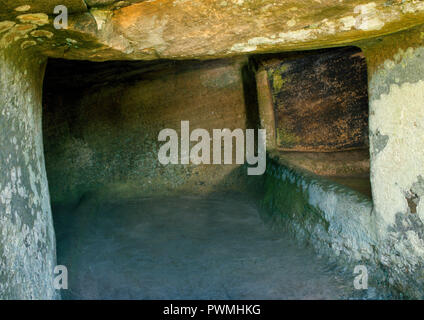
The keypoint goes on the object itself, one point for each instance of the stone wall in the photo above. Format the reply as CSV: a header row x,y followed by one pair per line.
x,y
396,88
27,241
334,219
104,137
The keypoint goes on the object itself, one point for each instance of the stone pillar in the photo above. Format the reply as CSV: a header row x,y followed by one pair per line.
x,y
396,124
27,241
266,109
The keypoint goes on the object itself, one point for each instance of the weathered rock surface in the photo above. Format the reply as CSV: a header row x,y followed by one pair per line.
x,y
205,29
396,87
27,242
336,221
101,133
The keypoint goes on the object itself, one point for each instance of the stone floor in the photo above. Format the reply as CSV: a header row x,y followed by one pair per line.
x,y
185,248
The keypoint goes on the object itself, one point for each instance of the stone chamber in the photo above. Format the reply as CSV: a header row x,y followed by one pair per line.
x,y
338,87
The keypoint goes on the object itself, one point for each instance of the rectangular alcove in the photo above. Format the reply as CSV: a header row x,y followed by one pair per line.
x,y
314,104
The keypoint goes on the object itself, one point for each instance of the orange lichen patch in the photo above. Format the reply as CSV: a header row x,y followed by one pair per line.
x,y
27,44
39,19
23,8
25,27
6,25
42,33
16,33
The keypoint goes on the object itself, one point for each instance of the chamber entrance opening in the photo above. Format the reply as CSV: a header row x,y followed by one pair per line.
x,y
128,226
